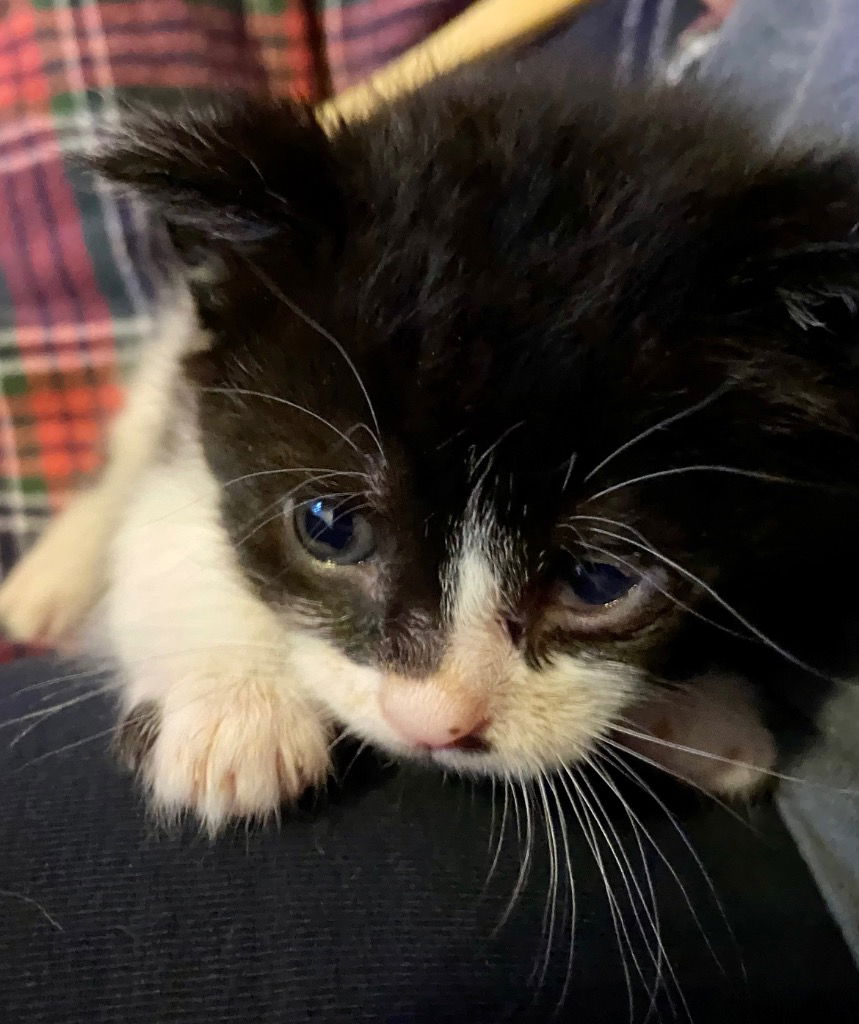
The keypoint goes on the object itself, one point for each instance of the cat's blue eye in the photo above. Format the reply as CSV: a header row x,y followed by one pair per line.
x,y
331,533
600,583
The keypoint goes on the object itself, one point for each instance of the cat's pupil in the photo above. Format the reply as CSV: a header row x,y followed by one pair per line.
x,y
600,583
324,525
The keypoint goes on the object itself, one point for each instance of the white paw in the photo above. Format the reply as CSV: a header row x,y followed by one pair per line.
x,y
226,750
54,587
709,734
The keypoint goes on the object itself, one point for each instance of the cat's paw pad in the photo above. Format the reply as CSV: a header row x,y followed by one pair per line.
x,y
239,753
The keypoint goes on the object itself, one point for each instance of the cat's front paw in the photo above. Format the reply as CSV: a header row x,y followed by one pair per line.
x,y
709,734
239,751
54,587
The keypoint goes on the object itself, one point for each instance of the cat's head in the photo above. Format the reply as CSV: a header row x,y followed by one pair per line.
x,y
522,404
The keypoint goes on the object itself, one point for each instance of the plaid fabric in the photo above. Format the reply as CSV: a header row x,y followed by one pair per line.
x,y
78,265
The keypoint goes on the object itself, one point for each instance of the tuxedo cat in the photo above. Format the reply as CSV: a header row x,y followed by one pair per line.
x,y
505,426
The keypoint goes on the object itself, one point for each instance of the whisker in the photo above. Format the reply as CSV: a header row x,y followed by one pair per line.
x,y
506,433
620,763
720,600
726,807
773,478
667,422
303,469
249,392
501,831
44,713
525,864
639,830
627,875
565,845
550,907
730,761
279,513
620,931
68,746
314,324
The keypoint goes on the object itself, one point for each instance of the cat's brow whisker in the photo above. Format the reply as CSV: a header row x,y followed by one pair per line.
x,y
303,469
773,478
314,324
504,434
792,658
571,462
250,393
668,421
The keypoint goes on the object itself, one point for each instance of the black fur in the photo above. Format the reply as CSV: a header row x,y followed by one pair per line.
x,y
561,270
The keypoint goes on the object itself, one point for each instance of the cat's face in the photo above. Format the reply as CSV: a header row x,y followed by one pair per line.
x,y
519,415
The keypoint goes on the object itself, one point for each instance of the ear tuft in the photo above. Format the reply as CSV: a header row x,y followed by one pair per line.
x,y
232,173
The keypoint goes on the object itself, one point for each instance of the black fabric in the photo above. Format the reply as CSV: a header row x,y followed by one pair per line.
x,y
372,904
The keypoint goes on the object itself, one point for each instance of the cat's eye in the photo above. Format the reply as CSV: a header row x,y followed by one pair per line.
x,y
600,583
330,533
595,598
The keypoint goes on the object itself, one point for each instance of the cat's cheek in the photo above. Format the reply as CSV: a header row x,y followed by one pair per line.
x,y
351,692
555,715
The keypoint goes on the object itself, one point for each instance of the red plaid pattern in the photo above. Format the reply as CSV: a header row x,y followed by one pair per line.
x,y
78,264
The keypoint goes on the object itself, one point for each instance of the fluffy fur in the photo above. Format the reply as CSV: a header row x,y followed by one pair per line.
x,y
518,330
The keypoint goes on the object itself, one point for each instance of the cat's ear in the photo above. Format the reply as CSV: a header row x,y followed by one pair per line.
x,y
227,174
792,240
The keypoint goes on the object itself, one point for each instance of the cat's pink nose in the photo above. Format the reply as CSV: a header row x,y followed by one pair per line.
x,y
429,715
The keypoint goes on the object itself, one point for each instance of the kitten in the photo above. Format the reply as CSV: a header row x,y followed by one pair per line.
x,y
508,425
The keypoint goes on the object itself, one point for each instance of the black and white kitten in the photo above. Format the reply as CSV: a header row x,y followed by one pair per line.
x,y
506,424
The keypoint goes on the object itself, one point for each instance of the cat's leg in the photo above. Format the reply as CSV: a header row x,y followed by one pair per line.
x,y
709,733
213,719
52,589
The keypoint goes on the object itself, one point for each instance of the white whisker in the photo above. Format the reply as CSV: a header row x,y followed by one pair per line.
x,y
304,469
614,909
329,337
550,907
720,600
666,593
667,422
565,845
773,478
249,392
619,762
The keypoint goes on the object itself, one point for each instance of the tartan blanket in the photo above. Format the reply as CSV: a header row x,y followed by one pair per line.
x,y
78,265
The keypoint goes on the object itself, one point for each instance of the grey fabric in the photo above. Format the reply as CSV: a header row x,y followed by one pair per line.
x,y
822,813
800,59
